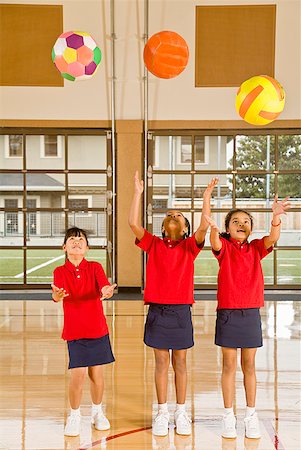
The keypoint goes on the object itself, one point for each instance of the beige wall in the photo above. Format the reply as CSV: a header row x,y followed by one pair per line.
x,y
175,99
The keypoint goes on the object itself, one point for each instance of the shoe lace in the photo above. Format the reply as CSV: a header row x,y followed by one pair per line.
x,y
229,421
73,420
161,417
252,421
183,417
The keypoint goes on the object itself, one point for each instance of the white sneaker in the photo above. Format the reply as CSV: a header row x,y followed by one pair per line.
x,y
229,426
160,426
72,427
100,421
183,423
252,427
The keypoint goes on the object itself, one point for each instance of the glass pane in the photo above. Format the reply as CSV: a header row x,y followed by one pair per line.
x,y
99,256
45,190
11,228
290,185
290,229
11,266
45,228
11,152
267,264
174,189
92,222
205,268
87,152
172,153
45,152
41,264
11,187
254,191
289,151
89,186
217,152
289,266
255,152
221,195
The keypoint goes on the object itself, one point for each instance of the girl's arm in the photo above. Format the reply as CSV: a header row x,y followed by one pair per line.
x,y
134,214
215,241
107,291
203,227
278,208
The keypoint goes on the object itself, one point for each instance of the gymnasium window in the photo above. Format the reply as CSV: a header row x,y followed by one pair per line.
x,y
14,146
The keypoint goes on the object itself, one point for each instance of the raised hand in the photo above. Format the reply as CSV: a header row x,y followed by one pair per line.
x,y
212,223
138,184
280,206
211,185
58,293
107,291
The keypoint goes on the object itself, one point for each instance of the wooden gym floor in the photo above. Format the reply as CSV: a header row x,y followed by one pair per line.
x,y
34,381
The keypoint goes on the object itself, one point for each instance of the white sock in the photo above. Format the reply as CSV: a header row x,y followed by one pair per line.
x,y
96,408
250,411
162,407
74,412
180,407
229,410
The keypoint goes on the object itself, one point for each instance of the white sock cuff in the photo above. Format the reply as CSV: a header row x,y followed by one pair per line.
x,y
180,407
162,407
250,410
75,412
229,410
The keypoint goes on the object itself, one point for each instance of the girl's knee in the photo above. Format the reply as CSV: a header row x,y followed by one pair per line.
x,y
229,365
248,367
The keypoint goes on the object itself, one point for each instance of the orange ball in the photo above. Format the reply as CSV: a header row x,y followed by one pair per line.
x,y
166,54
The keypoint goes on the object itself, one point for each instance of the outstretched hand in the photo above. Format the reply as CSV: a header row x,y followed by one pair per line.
x,y
107,291
138,184
211,185
212,223
280,206
58,293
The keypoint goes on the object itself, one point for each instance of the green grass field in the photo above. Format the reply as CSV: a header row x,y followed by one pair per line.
x,y
41,263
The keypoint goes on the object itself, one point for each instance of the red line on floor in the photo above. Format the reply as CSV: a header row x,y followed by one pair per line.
x,y
273,434
115,436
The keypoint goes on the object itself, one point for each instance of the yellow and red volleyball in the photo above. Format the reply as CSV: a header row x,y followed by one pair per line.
x,y
166,54
260,100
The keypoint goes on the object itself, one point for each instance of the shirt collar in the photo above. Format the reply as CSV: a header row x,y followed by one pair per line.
x,y
72,268
237,243
170,242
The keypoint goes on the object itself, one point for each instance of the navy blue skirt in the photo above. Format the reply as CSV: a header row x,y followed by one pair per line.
x,y
238,328
169,327
90,352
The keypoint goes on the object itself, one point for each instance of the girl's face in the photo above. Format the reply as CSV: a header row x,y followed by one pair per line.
x,y
76,246
174,224
240,226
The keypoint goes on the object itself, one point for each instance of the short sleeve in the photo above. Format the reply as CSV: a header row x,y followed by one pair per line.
x,y
260,247
146,242
220,253
193,246
101,277
58,279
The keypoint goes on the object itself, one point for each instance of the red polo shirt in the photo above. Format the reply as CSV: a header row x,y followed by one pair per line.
x,y
240,277
169,269
83,311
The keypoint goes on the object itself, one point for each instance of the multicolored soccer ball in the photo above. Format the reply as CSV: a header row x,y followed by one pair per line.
x,y
166,54
76,55
260,100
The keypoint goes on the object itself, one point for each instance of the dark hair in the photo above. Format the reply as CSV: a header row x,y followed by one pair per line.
x,y
77,232
228,218
185,235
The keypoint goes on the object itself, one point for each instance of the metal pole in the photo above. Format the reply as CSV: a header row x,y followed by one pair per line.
x,y
113,78
145,115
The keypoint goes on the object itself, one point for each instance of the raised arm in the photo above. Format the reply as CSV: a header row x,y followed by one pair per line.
x,y
278,208
215,241
134,214
203,227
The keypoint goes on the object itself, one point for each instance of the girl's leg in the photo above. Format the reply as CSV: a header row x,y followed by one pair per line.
x,y
228,375
162,360
179,367
98,419
248,368
96,383
76,386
